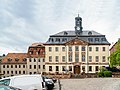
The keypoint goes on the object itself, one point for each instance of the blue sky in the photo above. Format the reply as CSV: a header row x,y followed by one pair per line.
x,y
23,22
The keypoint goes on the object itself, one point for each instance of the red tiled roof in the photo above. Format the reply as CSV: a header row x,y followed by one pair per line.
x,y
15,58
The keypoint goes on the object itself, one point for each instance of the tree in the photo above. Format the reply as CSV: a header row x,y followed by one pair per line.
x,y
115,56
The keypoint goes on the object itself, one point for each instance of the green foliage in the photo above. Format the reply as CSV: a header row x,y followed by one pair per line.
x,y
104,72
115,56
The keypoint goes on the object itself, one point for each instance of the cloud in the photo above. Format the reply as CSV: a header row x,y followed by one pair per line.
x,y
23,22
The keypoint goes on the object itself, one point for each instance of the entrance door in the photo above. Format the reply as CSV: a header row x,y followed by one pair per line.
x,y
77,69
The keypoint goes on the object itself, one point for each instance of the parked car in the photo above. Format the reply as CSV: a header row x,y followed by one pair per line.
x,y
49,83
25,82
5,87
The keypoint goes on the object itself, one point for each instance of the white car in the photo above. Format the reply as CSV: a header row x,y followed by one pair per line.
x,y
25,82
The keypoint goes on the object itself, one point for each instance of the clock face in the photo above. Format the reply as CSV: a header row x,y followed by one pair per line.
x,y
78,28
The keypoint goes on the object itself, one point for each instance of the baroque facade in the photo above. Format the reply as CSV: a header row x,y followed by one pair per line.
x,y
73,51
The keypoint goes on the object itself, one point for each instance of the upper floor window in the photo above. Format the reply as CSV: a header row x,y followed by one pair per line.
x,y
70,58
63,58
34,60
70,48
63,48
90,48
97,48
103,58
76,57
103,39
83,48
103,48
50,58
76,48
97,58
90,58
50,49
56,49
30,60
83,58
57,58
57,39
64,39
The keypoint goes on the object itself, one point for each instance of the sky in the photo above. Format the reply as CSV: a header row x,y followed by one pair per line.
x,y
23,22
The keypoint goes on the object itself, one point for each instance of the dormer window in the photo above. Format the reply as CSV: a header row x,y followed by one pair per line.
x,y
57,39
24,59
65,33
97,39
31,52
103,39
89,33
16,59
9,59
90,39
64,39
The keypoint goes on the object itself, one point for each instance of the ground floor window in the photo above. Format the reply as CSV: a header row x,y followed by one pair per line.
x,y
83,68
57,68
50,68
63,68
90,68
70,68
96,68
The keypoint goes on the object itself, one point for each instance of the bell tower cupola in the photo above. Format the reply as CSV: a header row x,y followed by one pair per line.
x,y
78,25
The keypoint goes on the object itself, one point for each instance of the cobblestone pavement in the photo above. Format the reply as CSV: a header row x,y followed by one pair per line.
x,y
89,84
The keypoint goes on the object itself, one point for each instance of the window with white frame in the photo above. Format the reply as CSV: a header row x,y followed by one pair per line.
x,y
90,58
57,58
97,58
63,58
50,58
103,59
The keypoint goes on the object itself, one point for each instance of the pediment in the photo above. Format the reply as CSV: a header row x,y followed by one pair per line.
x,y
76,41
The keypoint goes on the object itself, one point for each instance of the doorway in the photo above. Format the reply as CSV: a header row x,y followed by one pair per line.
x,y
77,69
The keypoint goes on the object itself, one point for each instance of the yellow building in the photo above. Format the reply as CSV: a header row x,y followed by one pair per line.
x,y
76,51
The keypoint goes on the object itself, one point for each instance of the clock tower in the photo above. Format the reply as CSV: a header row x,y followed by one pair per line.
x,y
78,25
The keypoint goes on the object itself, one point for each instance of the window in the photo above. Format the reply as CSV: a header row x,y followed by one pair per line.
x,y
30,66
90,39
103,48
9,59
43,60
3,66
31,52
90,68
70,68
90,48
50,58
76,48
39,60
83,58
97,58
23,66
97,39
96,68
63,58
7,72
70,58
57,58
15,72
83,48
19,66
34,66
15,66
23,72
97,48
103,58
11,66
5,82
63,68
7,66
63,48
70,48
76,57
19,72
39,66
57,68
30,72
50,49
11,72
30,60
90,58
83,68
56,49
16,59
103,39
34,60
50,68
43,66
57,40
64,39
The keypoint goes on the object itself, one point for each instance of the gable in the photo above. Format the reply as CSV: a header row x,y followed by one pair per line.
x,y
76,41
